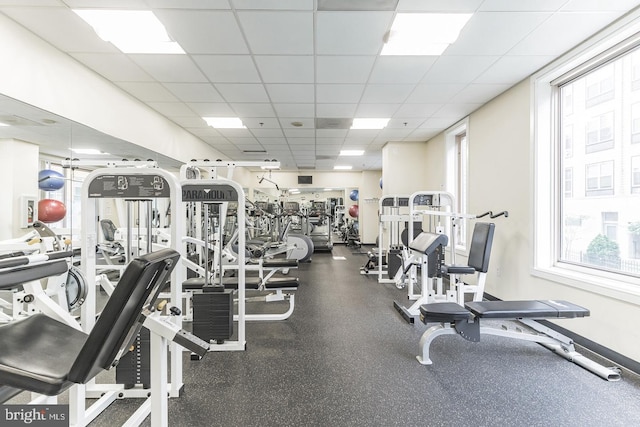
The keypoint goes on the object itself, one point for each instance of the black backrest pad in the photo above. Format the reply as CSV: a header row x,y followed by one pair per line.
x,y
480,249
108,229
120,319
426,243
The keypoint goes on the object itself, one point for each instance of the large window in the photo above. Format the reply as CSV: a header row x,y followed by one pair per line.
x,y
457,179
588,228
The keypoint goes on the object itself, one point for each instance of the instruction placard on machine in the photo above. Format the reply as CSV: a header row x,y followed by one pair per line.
x,y
129,186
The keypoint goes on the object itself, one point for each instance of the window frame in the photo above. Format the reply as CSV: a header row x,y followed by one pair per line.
x,y
614,41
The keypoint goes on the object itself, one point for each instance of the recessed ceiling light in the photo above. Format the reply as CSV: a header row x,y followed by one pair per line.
x,y
423,33
343,168
351,152
225,122
88,151
131,31
369,123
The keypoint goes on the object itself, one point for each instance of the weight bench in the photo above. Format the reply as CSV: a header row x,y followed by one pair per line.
x,y
45,356
466,322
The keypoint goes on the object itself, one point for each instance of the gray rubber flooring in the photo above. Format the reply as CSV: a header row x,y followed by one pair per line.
x,y
346,358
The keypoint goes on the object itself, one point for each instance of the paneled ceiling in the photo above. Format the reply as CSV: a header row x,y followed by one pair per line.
x,y
280,65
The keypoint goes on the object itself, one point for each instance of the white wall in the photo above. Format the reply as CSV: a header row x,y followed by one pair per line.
x,y
36,73
19,177
501,178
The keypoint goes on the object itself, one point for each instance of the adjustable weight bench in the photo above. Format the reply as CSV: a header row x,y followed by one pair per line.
x,y
466,322
45,356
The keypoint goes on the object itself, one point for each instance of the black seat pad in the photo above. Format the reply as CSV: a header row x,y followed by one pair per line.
x,y
30,363
282,282
458,269
443,312
526,309
277,263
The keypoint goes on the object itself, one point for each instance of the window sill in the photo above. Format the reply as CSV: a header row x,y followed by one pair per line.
x,y
586,280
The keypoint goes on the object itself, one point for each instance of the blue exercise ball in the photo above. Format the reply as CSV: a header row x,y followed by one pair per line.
x,y
354,195
50,180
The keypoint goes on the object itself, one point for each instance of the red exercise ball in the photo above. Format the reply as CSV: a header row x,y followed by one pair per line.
x,y
50,210
354,210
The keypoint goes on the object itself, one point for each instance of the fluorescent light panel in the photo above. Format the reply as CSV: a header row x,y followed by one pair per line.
x,y
90,151
369,123
225,122
351,152
131,31
424,33
342,168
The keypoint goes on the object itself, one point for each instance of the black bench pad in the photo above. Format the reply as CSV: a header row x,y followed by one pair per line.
x,y
282,282
443,312
17,276
196,283
280,263
526,309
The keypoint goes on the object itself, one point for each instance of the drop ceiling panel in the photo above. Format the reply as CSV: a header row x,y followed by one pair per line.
x,y
194,92
336,110
169,68
253,109
274,4
458,69
287,93
599,6
343,69
401,69
300,133
211,109
456,111
338,94
192,123
351,33
116,67
233,92
417,110
189,4
286,69
494,33
434,93
376,110
148,91
521,5
262,123
267,133
392,93
203,31
479,93
509,70
228,68
295,110
278,33
458,6
171,109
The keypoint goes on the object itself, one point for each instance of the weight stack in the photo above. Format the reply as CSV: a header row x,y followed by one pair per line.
x,y
394,261
135,366
213,314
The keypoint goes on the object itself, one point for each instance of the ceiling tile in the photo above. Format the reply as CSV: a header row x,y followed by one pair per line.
x,y
230,134
302,141
242,92
599,6
228,68
295,110
458,6
407,123
287,93
267,133
479,93
401,69
171,109
274,4
392,93
458,69
194,92
417,110
434,93
331,133
338,94
193,123
456,111
189,4
376,110
336,110
335,33
169,68
521,5
422,134
253,109
438,123
210,109
278,33
300,133
202,31
544,40
343,69
116,67
511,69
494,33
148,92
285,69
274,141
